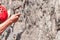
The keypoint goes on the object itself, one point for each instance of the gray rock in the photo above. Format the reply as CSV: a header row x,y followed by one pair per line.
x,y
39,20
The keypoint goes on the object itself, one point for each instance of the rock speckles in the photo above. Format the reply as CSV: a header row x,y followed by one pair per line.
x,y
40,20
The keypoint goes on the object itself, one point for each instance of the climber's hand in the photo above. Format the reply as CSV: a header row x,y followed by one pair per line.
x,y
14,17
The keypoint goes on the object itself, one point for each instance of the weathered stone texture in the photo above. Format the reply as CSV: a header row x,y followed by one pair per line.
x,y
39,20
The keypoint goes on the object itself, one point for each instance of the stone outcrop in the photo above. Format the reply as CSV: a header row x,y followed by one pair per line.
x,y
39,20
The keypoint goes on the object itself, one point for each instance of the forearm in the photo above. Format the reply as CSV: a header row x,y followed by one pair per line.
x,y
4,25
8,22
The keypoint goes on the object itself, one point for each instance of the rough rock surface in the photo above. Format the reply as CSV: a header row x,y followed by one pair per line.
x,y
39,20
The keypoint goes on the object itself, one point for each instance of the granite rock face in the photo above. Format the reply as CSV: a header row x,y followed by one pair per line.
x,y
39,20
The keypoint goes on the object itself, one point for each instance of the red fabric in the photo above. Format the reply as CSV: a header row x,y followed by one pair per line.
x,y
3,13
